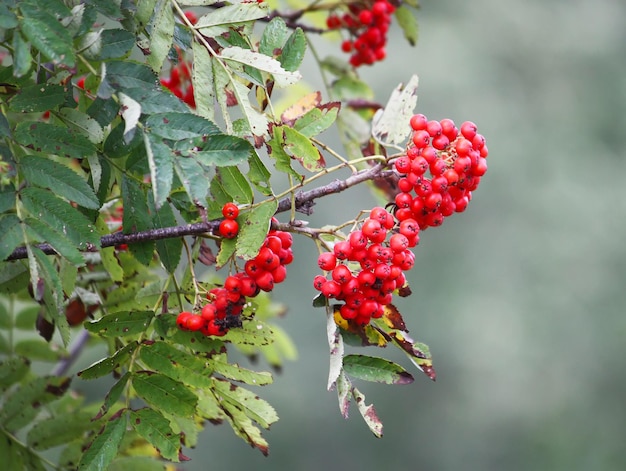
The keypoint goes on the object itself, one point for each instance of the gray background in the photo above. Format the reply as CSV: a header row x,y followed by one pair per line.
x,y
521,297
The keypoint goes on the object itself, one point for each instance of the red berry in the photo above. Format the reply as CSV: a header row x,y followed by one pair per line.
x,y
265,281
229,228
194,323
342,250
327,261
341,274
208,312
331,289
366,17
418,122
230,211
181,319
468,129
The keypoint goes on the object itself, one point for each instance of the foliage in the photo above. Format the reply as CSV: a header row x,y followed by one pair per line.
x,y
125,127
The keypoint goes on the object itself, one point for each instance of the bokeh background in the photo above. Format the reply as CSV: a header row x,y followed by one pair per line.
x,y
520,298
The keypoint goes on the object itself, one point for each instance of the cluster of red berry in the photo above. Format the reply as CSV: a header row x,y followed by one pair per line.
x,y
368,23
456,161
369,266
260,274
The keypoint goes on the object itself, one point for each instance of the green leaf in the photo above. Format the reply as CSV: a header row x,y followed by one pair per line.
x,y
105,446
49,138
12,370
375,369
178,365
25,403
46,33
180,126
7,200
202,80
137,218
39,98
127,75
222,19
161,168
13,277
164,393
108,365
259,175
60,216
274,36
156,429
368,413
83,123
55,238
219,150
281,158
113,395
301,148
235,183
317,120
137,463
8,20
10,235
59,430
17,456
47,173
227,250
169,250
22,58
161,34
408,23
254,228
282,77
246,401
115,43
242,426
121,324
254,333
39,349
389,124
293,51
237,373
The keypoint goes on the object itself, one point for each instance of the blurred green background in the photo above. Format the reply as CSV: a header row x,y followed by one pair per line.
x,y
520,298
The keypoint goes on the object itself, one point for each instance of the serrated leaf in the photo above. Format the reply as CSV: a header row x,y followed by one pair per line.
x,y
164,393
121,324
11,234
237,373
22,58
389,124
253,333
39,98
59,178
318,119
12,370
137,218
161,168
282,77
13,277
24,403
59,430
408,23
17,456
222,19
194,179
335,342
104,447
246,401
218,150
237,185
202,80
375,369
243,427
61,216
83,123
259,175
161,34
38,349
293,51
180,126
56,239
254,228
302,149
227,250
368,413
169,250
115,43
108,365
181,366
113,395
156,429
47,34
274,36
53,139
281,158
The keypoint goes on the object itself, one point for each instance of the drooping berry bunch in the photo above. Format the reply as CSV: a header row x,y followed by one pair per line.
x,y
365,269
226,303
367,23
443,165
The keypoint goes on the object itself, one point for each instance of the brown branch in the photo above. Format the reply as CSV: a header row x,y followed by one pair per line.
x,y
304,201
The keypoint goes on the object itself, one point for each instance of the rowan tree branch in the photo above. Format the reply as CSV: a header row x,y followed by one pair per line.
x,y
304,201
